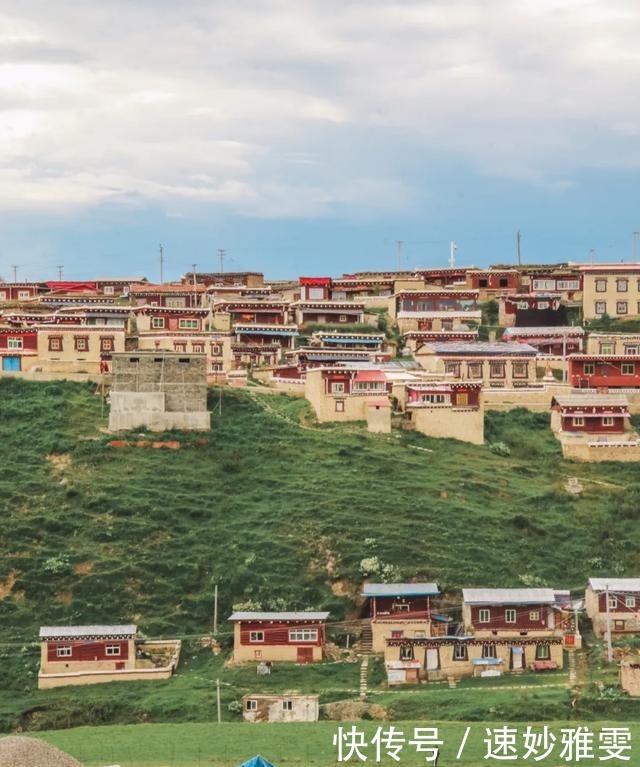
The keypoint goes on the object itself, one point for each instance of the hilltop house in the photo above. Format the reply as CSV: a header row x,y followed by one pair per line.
x,y
280,708
294,637
604,371
614,602
435,309
446,409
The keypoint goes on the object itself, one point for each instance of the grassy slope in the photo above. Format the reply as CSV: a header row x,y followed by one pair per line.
x,y
196,745
275,513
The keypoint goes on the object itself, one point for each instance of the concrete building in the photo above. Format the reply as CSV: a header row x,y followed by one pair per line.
x,y
280,708
447,409
630,676
159,390
293,637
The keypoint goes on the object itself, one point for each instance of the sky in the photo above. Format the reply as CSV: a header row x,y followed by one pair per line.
x,y
311,136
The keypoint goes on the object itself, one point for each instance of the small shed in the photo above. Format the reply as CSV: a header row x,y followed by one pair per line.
x,y
280,708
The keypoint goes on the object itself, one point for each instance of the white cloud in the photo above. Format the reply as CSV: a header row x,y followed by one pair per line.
x,y
255,105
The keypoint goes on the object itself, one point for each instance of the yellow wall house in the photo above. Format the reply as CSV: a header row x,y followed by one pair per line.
x,y
613,343
77,348
350,394
293,637
612,289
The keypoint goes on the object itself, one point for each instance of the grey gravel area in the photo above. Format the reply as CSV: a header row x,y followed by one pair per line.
x,y
20,751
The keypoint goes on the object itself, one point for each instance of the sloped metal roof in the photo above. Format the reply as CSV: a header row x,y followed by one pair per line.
x,y
399,589
508,596
283,616
72,632
615,584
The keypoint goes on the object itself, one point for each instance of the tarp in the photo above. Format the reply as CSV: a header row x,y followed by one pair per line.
x,y
257,761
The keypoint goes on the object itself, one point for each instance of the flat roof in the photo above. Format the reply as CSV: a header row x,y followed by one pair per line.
x,y
484,348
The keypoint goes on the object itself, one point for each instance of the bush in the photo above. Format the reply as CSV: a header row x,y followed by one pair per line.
x,y
499,448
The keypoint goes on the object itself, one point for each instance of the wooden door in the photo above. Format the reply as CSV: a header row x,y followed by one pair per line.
x,y
305,654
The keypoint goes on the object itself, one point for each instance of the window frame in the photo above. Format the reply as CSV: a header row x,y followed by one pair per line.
x,y
622,281
251,705
601,307
510,615
489,650
460,652
157,323
543,651
630,601
588,368
112,650
256,637
56,343
484,615
601,285
64,651
628,368
313,635
15,343
622,307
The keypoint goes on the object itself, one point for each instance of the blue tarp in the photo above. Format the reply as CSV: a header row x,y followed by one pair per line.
x,y
257,761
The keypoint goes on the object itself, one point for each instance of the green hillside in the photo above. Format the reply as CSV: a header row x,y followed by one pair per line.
x,y
281,513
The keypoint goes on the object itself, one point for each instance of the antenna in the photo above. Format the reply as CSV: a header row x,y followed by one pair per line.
x,y
193,266
161,265
592,255
221,254
518,238
452,253
15,272
60,267
399,244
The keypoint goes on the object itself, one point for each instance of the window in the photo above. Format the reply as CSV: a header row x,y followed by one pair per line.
x,y
399,634
504,282
55,343
568,285
496,369
613,602
628,368
629,601
452,368
257,654
460,651
303,635
601,286
23,294
621,307
489,651
337,387
157,322
189,324
436,399
622,286
406,652
216,350
520,369
81,343
287,705
14,343
534,615
197,348
607,421
589,368
63,651
543,652
178,302
577,420
510,616
108,290
180,347
601,307
606,348
251,705
342,318
483,282
106,343
256,636
420,634
113,649
474,369
484,615
3,295
630,348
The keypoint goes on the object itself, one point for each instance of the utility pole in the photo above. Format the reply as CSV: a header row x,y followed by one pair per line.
x,y
399,244
215,609
218,701
592,255
221,255
60,267
15,272
161,265
609,647
564,356
452,253
518,238
635,247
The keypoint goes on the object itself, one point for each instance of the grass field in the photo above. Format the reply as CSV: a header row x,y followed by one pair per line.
x,y
228,745
280,513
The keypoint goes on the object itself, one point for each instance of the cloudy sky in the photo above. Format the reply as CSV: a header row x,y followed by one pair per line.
x,y
308,136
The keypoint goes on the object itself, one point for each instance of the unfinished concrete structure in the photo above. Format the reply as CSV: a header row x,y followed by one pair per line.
x,y
280,708
159,390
